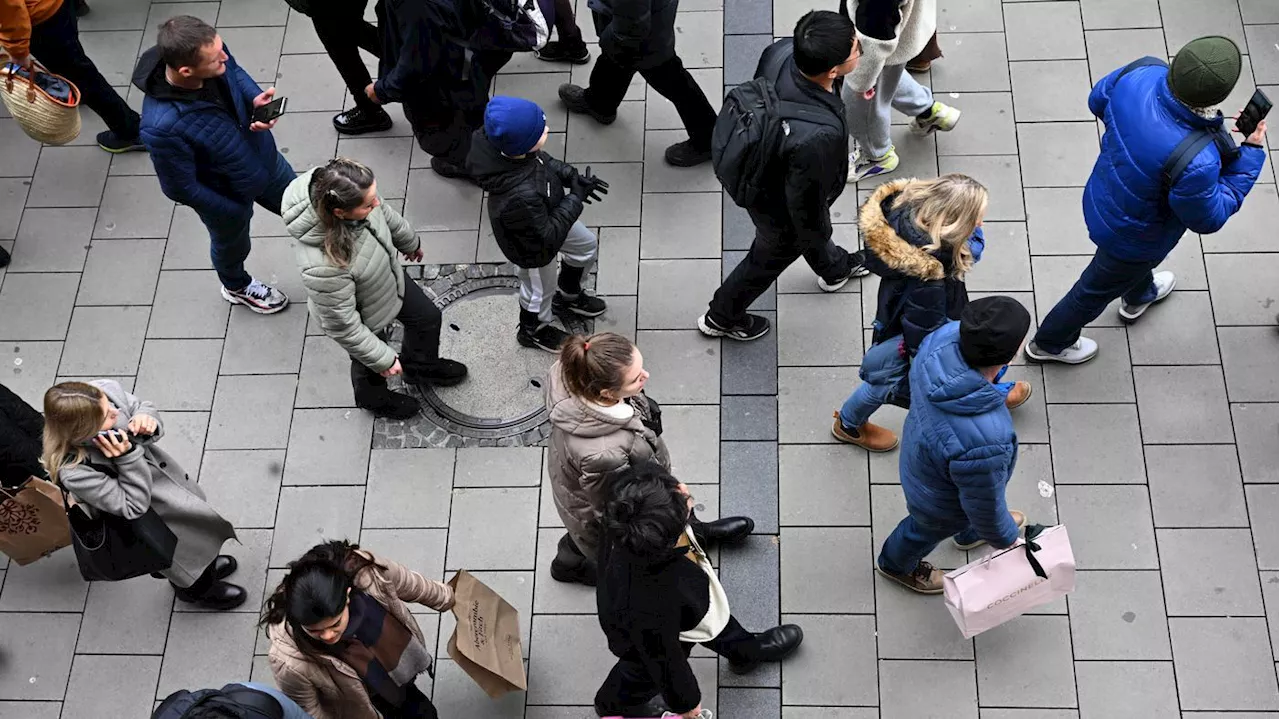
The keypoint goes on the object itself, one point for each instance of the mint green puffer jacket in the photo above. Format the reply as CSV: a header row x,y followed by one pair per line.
x,y
351,304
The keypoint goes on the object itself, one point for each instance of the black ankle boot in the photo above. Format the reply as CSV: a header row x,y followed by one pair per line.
x,y
729,530
385,403
571,565
221,596
772,645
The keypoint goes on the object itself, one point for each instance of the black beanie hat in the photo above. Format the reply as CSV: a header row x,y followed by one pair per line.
x,y
992,330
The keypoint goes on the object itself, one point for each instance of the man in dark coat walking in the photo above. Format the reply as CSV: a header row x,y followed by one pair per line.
x,y
344,32
640,36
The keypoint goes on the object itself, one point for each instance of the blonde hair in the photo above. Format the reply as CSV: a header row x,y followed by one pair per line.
x,y
72,415
948,209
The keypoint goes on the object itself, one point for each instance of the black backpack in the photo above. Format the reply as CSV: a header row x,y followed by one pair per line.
x,y
749,133
235,700
1191,145
511,25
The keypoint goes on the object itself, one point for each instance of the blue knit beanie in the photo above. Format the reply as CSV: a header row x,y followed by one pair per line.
x,y
514,125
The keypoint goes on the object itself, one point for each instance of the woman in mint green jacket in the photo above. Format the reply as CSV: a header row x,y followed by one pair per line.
x,y
348,252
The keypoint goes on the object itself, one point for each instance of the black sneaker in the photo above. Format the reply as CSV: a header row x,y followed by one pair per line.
x,y
436,373
581,304
111,142
855,269
753,327
686,154
451,170
556,51
575,101
547,338
358,121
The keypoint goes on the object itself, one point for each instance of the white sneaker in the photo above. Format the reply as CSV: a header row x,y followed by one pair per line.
x,y
1082,351
261,298
873,167
941,117
1164,282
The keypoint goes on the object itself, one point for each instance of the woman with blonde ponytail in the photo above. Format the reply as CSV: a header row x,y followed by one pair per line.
x,y
349,248
100,445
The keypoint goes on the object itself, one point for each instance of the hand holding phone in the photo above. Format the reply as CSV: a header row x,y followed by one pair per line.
x,y
1252,116
113,442
271,110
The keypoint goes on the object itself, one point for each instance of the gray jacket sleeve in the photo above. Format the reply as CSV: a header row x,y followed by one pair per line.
x,y
128,495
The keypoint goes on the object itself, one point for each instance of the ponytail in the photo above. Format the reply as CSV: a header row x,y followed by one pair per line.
x,y
595,364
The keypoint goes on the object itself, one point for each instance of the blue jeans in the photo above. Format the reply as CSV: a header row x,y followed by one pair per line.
x,y
291,708
229,242
913,539
1104,279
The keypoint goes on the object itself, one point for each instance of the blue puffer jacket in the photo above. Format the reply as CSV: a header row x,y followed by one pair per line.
x,y
1123,207
204,156
958,443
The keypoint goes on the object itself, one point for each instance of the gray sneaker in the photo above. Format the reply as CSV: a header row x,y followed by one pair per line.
x,y
1082,351
1164,282
261,298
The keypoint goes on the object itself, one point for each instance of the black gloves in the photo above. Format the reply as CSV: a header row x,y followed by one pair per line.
x,y
588,187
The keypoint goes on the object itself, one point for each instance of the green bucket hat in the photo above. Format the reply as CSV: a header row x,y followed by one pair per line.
x,y
1205,70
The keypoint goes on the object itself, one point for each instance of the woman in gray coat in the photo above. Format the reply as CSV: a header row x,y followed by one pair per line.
x,y
97,426
601,422
349,248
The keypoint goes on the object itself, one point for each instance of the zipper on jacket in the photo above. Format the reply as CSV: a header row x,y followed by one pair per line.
x,y
544,174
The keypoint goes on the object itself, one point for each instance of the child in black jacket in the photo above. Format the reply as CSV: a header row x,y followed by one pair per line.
x,y
534,217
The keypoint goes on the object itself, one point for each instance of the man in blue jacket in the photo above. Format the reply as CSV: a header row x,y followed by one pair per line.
x,y
208,152
958,444
1135,211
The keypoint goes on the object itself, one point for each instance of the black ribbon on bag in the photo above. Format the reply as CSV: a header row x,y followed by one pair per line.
x,y
1030,547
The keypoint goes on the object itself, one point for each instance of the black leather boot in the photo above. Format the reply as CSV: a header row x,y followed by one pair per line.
x,y
729,530
221,596
385,403
224,565
571,565
772,645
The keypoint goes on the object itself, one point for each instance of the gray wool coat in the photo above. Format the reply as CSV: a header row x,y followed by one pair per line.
x,y
150,477
586,445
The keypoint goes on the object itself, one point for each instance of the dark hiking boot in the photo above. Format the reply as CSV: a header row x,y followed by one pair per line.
x,y
571,566
772,645
581,304
575,101
451,170
752,327
687,154
382,402
557,51
436,373
221,596
359,120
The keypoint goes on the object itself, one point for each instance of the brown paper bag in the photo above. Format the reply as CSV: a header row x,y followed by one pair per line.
x,y
33,522
486,642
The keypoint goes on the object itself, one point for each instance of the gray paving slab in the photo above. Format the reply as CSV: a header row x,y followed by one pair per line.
x,y
975,62
1230,589
252,412
1254,426
179,374
1195,486
1119,616
692,435
955,680
104,341
824,571
308,516
1111,526
837,663
1096,444
243,484
38,306
749,482
1248,354
1197,392
477,542
1026,663
1127,688
1222,663
1262,518
46,642
684,366
53,240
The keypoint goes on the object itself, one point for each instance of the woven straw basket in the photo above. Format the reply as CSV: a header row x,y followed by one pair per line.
x,y
39,114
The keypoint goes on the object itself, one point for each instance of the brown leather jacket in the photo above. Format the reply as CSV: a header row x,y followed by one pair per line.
x,y
16,19
336,691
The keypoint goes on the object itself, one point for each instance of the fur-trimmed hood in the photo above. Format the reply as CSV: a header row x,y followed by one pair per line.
x,y
898,247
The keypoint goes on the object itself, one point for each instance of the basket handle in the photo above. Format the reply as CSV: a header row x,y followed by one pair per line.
x,y
32,87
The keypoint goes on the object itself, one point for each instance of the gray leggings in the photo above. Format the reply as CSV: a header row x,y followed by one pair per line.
x,y
869,119
538,285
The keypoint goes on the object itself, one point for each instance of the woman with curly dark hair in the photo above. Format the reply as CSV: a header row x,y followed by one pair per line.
x,y
343,643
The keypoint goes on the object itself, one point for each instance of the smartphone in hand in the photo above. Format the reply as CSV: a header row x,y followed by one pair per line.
x,y
271,110
1253,113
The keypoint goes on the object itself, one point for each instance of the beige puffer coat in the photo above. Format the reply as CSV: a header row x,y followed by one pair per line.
x,y
336,691
351,304
586,445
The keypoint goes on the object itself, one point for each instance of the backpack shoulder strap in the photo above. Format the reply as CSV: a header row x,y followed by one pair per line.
x,y
1182,156
792,110
1147,61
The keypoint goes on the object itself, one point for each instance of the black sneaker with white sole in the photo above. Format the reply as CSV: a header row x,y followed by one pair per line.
x,y
752,327
113,143
557,51
581,304
547,338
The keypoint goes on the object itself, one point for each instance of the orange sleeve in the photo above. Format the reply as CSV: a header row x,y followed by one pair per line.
x,y
15,27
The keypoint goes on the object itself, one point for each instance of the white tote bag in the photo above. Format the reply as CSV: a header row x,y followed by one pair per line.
x,y
1011,582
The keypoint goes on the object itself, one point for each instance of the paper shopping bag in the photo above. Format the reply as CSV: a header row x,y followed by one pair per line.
x,y
33,522
1011,582
486,642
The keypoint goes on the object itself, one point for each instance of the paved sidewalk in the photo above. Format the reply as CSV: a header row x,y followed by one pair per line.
x,y
1161,455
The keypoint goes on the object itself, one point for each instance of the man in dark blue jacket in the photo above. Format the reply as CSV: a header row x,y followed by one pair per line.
x,y
208,152
1135,214
958,443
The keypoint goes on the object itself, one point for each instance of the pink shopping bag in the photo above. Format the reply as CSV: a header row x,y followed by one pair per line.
x,y
1010,582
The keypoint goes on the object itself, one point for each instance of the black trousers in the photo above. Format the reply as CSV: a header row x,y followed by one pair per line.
x,y
566,24
56,44
416,706
630,684
773,250
445,112
422,321
610,80
343,31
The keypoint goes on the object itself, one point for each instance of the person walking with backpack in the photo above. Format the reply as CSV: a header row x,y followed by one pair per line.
x,y
349,248
922,237
535,219
639,36
100,445
602,421
47,31
892,33
208,150
344,644
1167,165
959,447
344,32
788,176
239,700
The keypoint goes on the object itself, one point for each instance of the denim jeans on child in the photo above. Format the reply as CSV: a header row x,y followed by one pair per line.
x,y
1104,279
882,369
